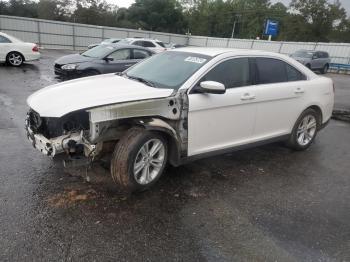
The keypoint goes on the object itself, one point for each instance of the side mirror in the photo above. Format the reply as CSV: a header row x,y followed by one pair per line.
x,y
212,87
109,59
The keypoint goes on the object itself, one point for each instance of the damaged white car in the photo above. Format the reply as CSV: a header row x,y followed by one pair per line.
x,y
178,106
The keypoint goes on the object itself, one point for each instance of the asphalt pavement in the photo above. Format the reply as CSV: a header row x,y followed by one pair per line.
x,y
263,204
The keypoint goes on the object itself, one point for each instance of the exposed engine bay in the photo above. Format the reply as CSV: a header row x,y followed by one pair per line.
x,y
92,131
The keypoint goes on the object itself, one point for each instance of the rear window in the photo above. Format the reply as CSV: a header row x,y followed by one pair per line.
x,y
148,44
4,39
272,70
161,44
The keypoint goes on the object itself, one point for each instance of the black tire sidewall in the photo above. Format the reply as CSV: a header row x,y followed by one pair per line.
x,y
294,140
142,139
8,61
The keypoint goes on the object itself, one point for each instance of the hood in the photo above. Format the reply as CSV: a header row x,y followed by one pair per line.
x,y
73,59
63,98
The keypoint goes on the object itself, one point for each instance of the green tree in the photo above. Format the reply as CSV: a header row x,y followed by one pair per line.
x,y
158,15
321,17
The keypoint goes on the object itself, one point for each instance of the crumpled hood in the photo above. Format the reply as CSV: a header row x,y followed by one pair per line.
x,y
63,98
73,59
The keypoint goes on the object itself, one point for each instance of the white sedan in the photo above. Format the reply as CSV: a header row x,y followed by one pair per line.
x,y
178,106
14,51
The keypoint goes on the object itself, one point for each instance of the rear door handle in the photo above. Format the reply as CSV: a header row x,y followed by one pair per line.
x,y
299,90
247,96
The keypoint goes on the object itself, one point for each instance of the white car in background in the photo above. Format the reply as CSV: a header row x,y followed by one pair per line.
x,y
14,51
178,106
152,44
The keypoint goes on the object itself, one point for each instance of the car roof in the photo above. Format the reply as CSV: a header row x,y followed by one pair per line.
x,y
212,51
120,46
142,39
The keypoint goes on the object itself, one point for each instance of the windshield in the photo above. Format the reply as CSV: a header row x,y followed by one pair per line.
x,y
168,69
303,54
99,51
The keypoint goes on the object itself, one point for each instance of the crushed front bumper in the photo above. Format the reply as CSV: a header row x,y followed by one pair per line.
x,y
58,145
38,141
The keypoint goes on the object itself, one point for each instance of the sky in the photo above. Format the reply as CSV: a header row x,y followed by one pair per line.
x,y
127,3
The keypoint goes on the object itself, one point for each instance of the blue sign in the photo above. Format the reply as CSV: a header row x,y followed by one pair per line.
x,y
271,27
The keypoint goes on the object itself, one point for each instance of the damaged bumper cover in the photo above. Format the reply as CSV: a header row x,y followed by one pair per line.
x,y
63,144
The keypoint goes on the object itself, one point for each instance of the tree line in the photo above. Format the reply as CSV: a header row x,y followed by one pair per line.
x,y
302,20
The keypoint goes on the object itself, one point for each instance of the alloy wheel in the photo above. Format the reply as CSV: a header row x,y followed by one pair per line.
x,y
149,161
15,59
306,130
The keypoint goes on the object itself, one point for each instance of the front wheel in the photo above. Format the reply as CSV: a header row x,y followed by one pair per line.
x,y
305,130
139,160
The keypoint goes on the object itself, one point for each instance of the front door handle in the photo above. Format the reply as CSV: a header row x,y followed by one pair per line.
x,y
247,96
299,90
128,65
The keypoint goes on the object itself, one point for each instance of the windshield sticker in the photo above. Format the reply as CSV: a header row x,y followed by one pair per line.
x,y
196,60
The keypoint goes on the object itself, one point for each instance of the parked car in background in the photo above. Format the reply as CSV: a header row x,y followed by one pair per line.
x,y
101,59
105,42
178,106
14,51
314,60
173,45
152,44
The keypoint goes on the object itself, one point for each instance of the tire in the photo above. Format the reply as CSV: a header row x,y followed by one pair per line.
x,y
308,66
14,59
305,130
129,156
324,70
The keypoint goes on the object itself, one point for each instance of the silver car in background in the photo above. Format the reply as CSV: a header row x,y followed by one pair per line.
x,y
314,60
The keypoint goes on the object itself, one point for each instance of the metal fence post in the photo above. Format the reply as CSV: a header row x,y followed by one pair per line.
x,y
206,42
39,32
228,42
279,51
73,27
169,38
251,47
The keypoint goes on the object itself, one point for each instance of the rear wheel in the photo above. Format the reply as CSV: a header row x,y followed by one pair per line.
x,y
305,130
325,69
139,160
15,59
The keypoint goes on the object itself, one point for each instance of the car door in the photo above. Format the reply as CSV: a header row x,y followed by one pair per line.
x,y
316,61
220,121
4,47
118,61
280,93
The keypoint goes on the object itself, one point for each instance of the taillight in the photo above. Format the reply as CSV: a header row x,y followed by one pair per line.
x,y
35,48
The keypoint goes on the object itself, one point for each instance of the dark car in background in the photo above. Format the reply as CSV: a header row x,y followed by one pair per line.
x,y
101,59
314,60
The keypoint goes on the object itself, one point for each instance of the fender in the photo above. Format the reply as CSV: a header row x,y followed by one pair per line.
x,y
157,124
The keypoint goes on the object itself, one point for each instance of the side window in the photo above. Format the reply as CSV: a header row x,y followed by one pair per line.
x,y
140,54
271,71
4,39
139,43
148,44
293,74
231,73
122,54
